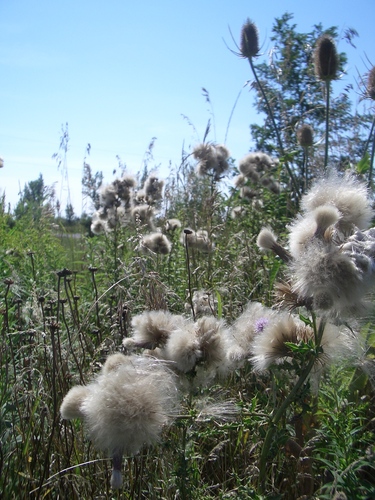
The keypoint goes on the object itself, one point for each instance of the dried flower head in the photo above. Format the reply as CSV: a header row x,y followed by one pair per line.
x,y
153,328
271,345
126,407
249,45
267,241
348,195
156,243
305,135
247,325
212,159
153,189
143,215
172,224
371,83
198,240
326,59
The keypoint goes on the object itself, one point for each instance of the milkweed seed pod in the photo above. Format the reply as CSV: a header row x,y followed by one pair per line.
x,y
326,59
249,45
305,136
371,83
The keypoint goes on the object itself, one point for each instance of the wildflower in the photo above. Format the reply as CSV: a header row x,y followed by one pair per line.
x,y
370,84
247,192
267,241
305,135
172,224
126,407
237,212
249,45
211,158
326,59
198,240
156,243
108,196
270,346
204,303
124,187
98,226
248,324
153,189
240,180
348,195
153,328
183,348
143,215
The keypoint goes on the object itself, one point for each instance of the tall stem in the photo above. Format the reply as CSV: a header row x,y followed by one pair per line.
x,y
270,114
328,87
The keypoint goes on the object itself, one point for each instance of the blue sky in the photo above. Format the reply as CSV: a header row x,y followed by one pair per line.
x,y
120,73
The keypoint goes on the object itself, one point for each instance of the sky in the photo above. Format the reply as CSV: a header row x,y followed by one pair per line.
x,y
118,74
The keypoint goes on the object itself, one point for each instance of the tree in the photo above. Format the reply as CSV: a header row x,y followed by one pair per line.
x,y
36,199
297,97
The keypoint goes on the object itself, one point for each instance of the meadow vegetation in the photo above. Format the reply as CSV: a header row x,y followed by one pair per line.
x,y
211,334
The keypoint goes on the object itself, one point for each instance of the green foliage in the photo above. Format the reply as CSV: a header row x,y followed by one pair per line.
x,y
67,300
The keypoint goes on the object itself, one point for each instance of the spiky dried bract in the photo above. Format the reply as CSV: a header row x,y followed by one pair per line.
x,y
156,243
153,328
349,195
326,58
371,83
305,135
249,45
72,402
212,158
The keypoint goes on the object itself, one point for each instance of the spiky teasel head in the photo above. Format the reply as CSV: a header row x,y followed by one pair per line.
x,y
371,83
249,45
305,135
156,243
267,241
152,329
326,59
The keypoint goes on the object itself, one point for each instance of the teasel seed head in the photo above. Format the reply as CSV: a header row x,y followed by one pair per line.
x,y
326,59
249,46
305,135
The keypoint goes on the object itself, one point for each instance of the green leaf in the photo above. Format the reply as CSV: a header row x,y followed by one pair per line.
x,y
363,165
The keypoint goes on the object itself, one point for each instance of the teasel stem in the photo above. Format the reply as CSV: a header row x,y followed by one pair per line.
x,y
186,233
328,88
270,113
318,333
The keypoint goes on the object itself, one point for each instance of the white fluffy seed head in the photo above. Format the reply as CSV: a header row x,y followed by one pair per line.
x,y
266,239
71,406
